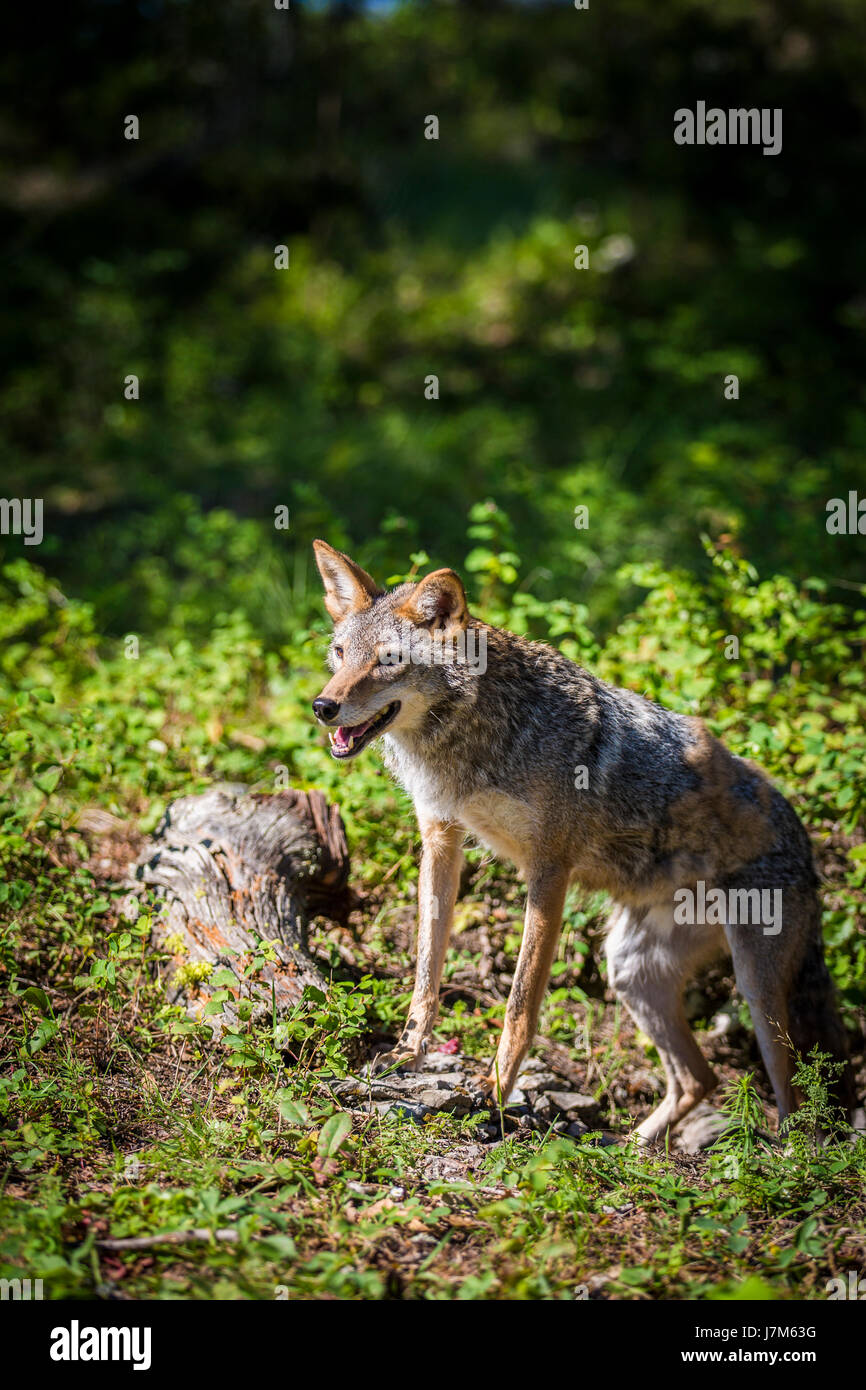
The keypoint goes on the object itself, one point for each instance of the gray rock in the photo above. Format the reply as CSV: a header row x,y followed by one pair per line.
x,y
451,1100
534,1082
517,1097
387,1107
530,1065
436,1091
443,1062
448,1078
573,1104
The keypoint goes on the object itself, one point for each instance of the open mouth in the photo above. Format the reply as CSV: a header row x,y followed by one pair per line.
x,y
347,741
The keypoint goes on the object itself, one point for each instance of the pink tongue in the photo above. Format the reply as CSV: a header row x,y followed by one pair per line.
x,y
342,736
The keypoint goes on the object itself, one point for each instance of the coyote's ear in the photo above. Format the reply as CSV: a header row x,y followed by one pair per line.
x,y
348,588
439,600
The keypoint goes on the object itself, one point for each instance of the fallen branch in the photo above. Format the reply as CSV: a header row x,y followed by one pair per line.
x,y
198,1233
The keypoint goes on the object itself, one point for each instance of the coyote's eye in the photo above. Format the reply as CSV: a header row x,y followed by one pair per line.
x,y
338,652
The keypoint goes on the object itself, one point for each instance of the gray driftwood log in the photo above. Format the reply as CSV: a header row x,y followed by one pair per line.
x,y
233,866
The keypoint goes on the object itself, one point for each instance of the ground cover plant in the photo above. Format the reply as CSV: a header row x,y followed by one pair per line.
x,y
280,311
123,1121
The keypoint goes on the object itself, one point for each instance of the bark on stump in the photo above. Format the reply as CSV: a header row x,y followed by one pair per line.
x,y
234,866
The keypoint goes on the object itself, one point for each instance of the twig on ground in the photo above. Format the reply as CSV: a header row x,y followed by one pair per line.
x,y
197,1233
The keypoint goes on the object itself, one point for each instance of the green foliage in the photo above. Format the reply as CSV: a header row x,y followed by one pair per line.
x,y
305,388
817,1127
171,635
737,1152
86,725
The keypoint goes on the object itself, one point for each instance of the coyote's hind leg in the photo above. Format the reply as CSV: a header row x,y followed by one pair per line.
x,y
649,960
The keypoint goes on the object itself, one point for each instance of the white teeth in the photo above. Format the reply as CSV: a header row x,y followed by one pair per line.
x,y
348,746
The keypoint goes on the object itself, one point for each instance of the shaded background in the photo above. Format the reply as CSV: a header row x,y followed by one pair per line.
x,y
409,257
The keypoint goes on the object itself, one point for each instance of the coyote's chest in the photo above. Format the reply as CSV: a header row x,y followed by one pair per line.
x,y
504,823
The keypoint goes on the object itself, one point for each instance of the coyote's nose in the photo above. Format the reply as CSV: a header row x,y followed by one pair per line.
x,y
325,709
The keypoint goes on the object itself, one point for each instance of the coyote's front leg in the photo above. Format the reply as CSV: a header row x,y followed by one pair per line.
x,y
439,876
545,900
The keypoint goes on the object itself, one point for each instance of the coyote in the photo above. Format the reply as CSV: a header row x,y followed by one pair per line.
x,y
659,808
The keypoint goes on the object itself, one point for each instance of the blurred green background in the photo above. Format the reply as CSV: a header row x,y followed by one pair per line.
x,y
166,635
408,256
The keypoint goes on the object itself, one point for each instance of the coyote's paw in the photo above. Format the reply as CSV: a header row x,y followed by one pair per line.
x,y
485,1092
398,1057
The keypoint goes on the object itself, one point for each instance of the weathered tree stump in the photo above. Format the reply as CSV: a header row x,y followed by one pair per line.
x,y
236,867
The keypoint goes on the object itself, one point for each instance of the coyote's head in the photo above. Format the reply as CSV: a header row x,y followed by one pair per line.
x,y
394,654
